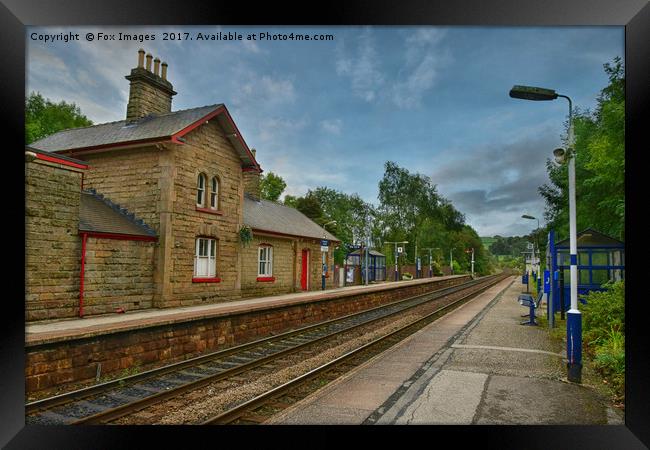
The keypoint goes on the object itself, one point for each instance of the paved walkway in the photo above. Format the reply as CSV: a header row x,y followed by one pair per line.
x,y
42,332
476,365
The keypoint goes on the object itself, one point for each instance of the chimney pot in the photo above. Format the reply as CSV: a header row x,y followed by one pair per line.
x,y
141,57
164,70
254,152
149,57
156,66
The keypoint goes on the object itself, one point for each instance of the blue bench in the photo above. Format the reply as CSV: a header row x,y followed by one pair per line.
x,y
528,301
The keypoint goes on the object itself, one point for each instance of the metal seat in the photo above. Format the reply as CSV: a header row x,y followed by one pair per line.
x,y
532,304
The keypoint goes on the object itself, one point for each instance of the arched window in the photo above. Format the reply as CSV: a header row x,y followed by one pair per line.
x,y
200,190
214,193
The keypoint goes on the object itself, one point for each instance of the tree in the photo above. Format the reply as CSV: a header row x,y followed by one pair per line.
x,y
600,165
43,117
310,206
411,209
271,186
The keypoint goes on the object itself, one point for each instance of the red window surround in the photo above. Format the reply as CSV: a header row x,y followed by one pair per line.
x,y
206,280
266,279
210,211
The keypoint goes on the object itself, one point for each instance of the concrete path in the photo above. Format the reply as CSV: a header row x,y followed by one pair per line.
x,y
477,365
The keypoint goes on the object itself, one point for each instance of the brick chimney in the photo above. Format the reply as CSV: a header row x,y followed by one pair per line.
x,y
150,92
252,180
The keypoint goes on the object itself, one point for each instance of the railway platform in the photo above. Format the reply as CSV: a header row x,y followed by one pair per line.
x,y
475,365
59,330
62,354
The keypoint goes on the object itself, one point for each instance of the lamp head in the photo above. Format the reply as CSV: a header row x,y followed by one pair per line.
x,y
532,93
559,154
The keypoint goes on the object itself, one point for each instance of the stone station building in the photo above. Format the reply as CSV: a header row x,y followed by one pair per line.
x,y
149,212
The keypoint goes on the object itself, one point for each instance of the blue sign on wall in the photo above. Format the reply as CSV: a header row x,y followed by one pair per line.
x,y
324,242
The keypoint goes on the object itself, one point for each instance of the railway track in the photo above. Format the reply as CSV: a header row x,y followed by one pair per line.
x,y
110,401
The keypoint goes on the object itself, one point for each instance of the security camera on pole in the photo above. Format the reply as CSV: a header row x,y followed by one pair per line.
x,y
574,318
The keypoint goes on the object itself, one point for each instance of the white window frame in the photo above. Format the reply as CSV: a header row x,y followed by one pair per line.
x,y
265,266
214,193
205,258
200,190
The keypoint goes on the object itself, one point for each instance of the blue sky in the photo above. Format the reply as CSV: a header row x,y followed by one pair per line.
x,y
330,113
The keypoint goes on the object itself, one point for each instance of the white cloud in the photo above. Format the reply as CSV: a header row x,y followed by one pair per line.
x,y
363,68
332,126
424,60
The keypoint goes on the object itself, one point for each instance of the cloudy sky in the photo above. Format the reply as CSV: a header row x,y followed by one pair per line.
x,y
330,113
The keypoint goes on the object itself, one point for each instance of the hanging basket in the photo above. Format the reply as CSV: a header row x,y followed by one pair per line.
x,y
245,235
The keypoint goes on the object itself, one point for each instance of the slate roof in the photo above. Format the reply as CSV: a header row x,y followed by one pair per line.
x,y
148,127
271,216
591,238
98,214
372,252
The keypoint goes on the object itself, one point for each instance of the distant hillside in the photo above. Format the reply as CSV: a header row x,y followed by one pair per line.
x,y
487,241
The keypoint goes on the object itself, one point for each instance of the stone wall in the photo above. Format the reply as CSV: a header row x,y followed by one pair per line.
x,y
252,183
129,177
51,363
148,94
118,274
284,256
207,151
52,245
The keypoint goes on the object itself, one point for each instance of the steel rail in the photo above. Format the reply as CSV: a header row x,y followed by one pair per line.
x,y
241,410
121,410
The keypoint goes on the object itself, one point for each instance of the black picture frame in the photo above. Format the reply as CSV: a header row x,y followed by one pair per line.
x,y
633,14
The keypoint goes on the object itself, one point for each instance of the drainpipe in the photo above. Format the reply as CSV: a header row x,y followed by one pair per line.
x,y
84,237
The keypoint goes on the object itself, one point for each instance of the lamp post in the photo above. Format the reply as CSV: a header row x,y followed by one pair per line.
x,y
526,216
430,261
393,242
323,253
574,318
451,261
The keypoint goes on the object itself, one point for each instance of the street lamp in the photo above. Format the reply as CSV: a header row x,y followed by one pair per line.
x,y
323,253
574,318
430,263
393,242
526,216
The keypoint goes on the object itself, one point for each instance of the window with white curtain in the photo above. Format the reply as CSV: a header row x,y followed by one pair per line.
x,y
205,261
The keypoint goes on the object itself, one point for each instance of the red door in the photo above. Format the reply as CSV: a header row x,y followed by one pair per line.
x,y
304,274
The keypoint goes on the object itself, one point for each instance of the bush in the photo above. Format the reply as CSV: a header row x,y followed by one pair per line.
x,y
604,334
604,313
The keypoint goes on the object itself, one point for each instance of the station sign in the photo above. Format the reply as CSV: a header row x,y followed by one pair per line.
x,y
324,242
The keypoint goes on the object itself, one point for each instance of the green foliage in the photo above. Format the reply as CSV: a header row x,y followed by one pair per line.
x,y
245,235
600,165
42,117
604,311
271,186
603,327
310,206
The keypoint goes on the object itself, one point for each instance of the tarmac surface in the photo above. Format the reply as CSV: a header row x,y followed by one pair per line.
x,y
476,365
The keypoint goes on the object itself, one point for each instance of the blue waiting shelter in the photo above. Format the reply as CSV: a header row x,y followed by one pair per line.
x,y
601,259
376,264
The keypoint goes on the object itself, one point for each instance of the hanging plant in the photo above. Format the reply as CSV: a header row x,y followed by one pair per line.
x,y
245,235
